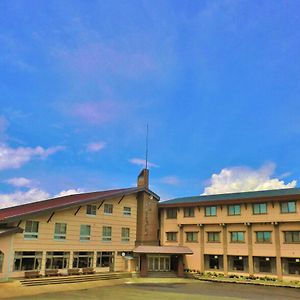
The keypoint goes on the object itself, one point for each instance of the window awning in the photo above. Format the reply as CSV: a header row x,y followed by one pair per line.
x,y
163,250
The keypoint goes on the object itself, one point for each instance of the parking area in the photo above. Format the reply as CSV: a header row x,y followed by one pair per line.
x,y
186,289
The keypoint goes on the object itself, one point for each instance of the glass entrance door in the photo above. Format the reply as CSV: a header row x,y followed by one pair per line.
x,y
159,263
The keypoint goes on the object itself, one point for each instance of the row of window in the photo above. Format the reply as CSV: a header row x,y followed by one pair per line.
x,y
233,210
290,266
60,232
91,210
30,260
236,236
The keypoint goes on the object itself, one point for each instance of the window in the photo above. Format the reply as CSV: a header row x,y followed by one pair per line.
x,y
57,260
293,266
263,236
108,209
292,236
104,259
91,210
171,213
85,232
214,262
106,233
213,237
237,263
259,208
125,234
126,211
1,261
31,230
83,259
60,231
189,212
171,236
237,237
264,264
191,237
210,211
288,207
234,210
27,260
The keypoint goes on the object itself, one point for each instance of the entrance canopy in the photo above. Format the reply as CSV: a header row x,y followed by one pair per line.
x,y
163,250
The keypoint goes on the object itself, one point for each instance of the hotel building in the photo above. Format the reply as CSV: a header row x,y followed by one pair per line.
x,y
251,233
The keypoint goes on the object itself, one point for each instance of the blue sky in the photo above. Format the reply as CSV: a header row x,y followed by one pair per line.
x,y
217,81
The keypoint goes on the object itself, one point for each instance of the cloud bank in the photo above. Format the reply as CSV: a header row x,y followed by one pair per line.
x,y
19,182
242,179
14,158
142,162
32,195
95,147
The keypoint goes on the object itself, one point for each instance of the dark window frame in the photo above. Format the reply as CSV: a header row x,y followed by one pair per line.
x,y
211,237
286,209
189,212
263,240
173,235
209,211
234,213
191,236
294,237
259,206
171,213
237,233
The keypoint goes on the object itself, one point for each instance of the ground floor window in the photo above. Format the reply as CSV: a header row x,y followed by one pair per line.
x,y
1,261
238,263
214,262
57,260
105,259
83,259
291,266
159,263
264,264
27,260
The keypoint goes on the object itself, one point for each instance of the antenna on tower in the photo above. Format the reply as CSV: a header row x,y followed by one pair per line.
x,y
147,135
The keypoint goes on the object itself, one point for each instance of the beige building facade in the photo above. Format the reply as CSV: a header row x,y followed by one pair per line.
x,y
98,230
252,233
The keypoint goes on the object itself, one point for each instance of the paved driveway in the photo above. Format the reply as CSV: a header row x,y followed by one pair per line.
x,y
187,289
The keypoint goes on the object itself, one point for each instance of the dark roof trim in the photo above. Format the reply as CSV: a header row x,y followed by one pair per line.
x,y
42,211
10,230
263,196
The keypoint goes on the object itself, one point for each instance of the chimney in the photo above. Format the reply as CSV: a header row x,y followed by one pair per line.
x,y
143,179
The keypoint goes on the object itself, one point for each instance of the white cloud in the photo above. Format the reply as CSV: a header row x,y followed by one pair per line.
x,y
19,182
95,147
142,162
171,180
69,192
32,195
242,179
13,158
20,197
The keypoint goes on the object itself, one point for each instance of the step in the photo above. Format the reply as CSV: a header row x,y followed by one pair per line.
x,y
73,279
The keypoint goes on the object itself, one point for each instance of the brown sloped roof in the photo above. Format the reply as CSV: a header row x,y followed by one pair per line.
x,y
163,250
16,212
